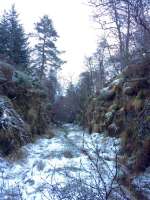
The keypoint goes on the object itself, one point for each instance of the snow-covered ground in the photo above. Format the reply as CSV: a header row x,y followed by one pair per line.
x,y
72,156
142,183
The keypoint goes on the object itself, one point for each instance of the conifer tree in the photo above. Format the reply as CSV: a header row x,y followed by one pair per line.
x,y
47,53
4,36
13,39
18,44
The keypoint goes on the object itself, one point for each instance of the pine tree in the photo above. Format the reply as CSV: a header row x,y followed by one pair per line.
x,y
13,40
18,42
4,36
47,52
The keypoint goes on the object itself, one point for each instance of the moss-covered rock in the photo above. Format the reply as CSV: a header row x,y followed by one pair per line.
x,y
129,91
123,109
107,94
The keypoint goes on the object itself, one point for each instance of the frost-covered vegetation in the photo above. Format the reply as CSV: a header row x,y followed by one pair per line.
x,y
43,157
58,168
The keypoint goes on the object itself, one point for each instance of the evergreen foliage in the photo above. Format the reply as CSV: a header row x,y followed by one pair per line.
x,y
47,53
13,40
4,36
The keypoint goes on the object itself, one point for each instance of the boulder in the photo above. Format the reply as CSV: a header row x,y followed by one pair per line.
x,y
117,82
130,91
107,94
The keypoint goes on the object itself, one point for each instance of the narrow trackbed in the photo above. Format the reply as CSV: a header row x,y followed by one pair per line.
x,y
50,162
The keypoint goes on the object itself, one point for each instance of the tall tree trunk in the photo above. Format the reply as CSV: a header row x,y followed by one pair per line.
x,y
43,61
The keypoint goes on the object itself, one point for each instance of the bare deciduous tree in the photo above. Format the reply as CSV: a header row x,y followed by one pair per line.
x,y
127,28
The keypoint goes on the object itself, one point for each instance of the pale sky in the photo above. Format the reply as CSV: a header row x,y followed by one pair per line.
x,y
73,22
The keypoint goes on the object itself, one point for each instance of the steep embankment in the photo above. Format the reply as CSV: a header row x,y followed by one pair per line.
x,y
23,109
123,110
